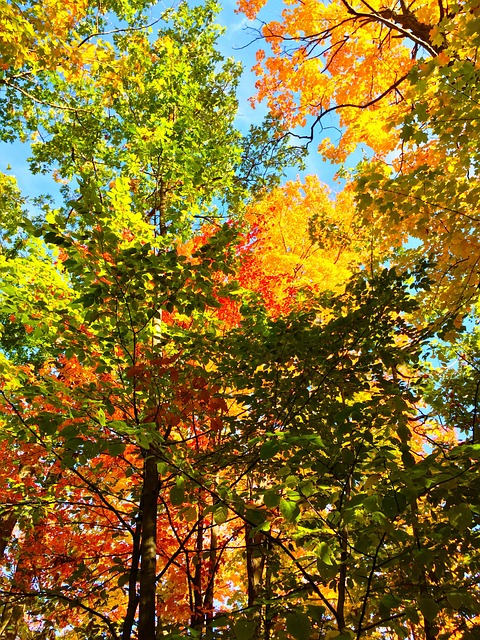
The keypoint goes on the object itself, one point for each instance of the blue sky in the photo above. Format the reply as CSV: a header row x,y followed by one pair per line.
x,y
237,42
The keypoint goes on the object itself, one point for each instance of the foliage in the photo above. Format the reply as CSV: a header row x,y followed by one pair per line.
x,y
414,102
299,240
228,409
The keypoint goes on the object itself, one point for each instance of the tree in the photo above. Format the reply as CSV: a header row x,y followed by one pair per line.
x,y
147,172
414,103
214,415
414,97
299,239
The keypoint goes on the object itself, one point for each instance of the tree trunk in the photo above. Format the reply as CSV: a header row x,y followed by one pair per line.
x,y
198,613
133,579
255,562
210,590
255,552
11,617
268,619
430,629
8,520
148,549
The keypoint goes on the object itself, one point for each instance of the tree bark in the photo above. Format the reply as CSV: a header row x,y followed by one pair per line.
x,y
210,590
255,563
148,549
8,520
268,619
133,579
255,552
198,613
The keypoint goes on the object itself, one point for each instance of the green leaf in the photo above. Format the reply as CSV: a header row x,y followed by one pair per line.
x,y
460,516
393,504
289,510
271,499
316,612
123,579
190,514
370,504
116,448
388,601
348,456
177,492
408,459
48,427
244,629
299,626
177,496
256,516
324,553
144,439
222,621
102,421
404,433
269,449
455,600
221,513
429,608
162,468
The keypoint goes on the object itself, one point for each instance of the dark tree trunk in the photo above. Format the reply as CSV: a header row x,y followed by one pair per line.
x,y
8,520
255,552
133,579
210,590
148,550
198,613
255,563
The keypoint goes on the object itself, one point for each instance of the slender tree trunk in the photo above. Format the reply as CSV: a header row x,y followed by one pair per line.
x,y
210,590
13,608
9,516
430,629
268,620
150,491
148,550
342,583
255,563
133,579
251,587
11,612
198,613
8,520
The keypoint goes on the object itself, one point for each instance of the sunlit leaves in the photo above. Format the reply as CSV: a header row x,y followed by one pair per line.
x,y
415,97
305,471
300,241
316,48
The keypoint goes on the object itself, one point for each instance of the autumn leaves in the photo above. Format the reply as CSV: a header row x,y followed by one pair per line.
x,y
221,417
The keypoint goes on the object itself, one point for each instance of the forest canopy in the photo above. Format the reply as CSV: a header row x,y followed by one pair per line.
x,y
234,405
